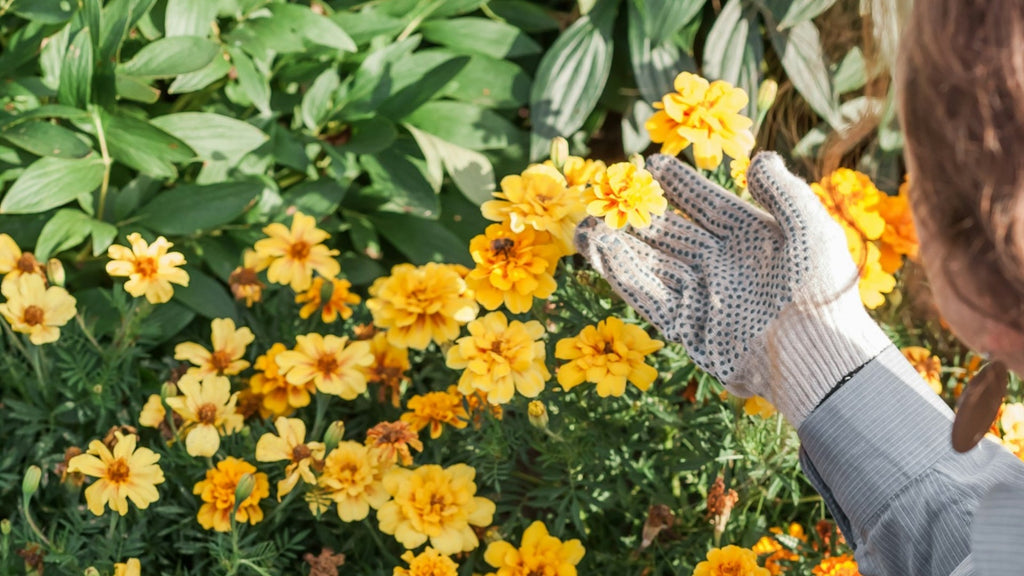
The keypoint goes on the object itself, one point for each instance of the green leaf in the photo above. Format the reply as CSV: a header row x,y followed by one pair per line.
x,y
363,235
189,209
318,198
169,57
371,83
46,139
471,171
464,124
368,24
489,82
46,111
655,65
635,138
527,16
195,81
733,51
480,36
137,89
851,74
663,18
214,137
315,28
398,179
369,136
804,62
190,17
76,72
45,11
143,146
318,101
253,83
119,16
418,79
205,295
803,11
421,240
570,79
51,182
166,321
67,229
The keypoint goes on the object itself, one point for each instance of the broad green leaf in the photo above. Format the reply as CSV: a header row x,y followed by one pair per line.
x,y
368,23
490,82
315,197
69,228
851,112
143,146
119,16
464,124
363,235
571,77
252,82
76,72
189,209
527,16
397,179
635,137
369,136
318,101
189,17
480,36
46,111
23,45
450,8
803,11
315,28
434,166
419,79
45,11
371,83
205,295
421,240
655,65
195,81
51,182
663,18
471,171
169,57
804,62
137,89
733,51
46,139
166,321
213,136
851,73
51,57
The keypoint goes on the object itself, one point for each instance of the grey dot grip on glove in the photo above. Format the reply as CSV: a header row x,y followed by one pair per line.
x,y
765,300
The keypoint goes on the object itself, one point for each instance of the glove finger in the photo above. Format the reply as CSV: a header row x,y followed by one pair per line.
x,y
628,266
786,196
678,237
709,205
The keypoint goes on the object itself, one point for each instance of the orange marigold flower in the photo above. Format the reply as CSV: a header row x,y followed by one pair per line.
x,y
292,255
150,268
336,305
217,492
500,357
512,268
730,561
900,236
541,199
706,115
852,199
332,363
609,355
420,304
538,553
580,172
430,562
389,367
758,406
33,308
928,365
392,441
14,262
435,409
126,473
290,444
843,565
245,280
229,346
279,396
625,194
477,405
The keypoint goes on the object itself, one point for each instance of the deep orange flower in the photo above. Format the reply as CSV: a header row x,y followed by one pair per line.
x,y
217,492
392,441
625,194
512,268
336,305
279,396
435,409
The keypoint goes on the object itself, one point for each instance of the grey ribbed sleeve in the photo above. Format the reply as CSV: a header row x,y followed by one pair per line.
x,y
879,452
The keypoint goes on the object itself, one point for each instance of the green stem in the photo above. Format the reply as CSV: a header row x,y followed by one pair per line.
x,y
107,162
321,411
32,523
5,6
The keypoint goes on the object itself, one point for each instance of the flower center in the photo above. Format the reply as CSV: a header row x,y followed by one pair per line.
x,y
220,361
146,267
327,364
300,453
27,263
244,277
34,315
118,471
298,251
207,413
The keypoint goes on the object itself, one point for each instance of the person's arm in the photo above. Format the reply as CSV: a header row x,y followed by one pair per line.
x,y
878,450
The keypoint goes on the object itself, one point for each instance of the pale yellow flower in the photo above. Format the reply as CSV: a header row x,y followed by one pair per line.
x,y
33,308
228,348
130,568
541,199
928,365
14,262
332,363
150,268
512,268
125,473
436,504
500,357
292,255
538,553
874,281
352,478
290,444
153,413
244,281
625,194
609,355
207,409
581,172
217,492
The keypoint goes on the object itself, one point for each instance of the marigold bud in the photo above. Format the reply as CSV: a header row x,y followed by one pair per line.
x,y
55,272
30,483
91,571
168,390
5,527
244,488
766,94
335,432
538,414
559,152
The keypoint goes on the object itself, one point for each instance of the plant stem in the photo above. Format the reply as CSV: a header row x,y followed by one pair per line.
x,y
107,162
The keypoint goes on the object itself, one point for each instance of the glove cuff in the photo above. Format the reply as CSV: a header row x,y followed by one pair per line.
x,y
814,348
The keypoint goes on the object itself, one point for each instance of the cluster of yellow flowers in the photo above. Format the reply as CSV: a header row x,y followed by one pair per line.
x,y
879,229
32,306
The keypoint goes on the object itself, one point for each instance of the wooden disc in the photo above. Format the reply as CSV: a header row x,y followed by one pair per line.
x,y
979,405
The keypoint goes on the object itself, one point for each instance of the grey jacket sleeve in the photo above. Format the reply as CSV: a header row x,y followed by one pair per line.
x,y
879,452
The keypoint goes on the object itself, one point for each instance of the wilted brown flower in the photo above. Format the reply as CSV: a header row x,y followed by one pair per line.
x,y
659,517
326,564
392,441
720,505
111,439
75,478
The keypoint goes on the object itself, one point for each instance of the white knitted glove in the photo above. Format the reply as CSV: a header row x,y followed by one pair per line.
x,y
767,302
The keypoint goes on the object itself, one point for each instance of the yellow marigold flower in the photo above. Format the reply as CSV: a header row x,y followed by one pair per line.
x,y
217,492
706,115
430,562
392,441
1011,420
852,199
927,365
278,395
14,262
245,280
434,409
153,413
580,172
512,268
417,304
843,565
207,409
539,553
500,357
389,367
292,255
122,474
33,308
435,503
624,193
290,444
738,170
758,406
874,282
228,348
776,552
352,478
130,568
609,355
900,236
730,561
150,268
541,199
477,405
336,305
537,413
332,363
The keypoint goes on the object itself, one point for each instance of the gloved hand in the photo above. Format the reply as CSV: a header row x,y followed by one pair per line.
x,y
767,302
